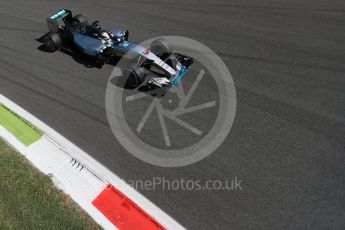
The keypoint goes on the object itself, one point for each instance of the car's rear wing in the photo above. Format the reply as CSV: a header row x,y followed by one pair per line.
x,y
62,14
59,20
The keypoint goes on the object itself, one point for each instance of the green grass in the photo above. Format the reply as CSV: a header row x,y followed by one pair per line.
x,y
29,200
23,131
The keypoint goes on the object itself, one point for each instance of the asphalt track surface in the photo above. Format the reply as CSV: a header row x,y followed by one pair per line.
x,y
287,142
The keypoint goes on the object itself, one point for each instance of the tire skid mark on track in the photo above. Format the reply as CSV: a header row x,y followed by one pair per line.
x,y
32,60
311,121
54,100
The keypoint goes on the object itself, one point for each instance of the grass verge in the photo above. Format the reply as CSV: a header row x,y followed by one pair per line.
x,y
29,200
23,131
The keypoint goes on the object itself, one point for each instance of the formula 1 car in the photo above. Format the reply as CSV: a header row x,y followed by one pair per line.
x,y
107,44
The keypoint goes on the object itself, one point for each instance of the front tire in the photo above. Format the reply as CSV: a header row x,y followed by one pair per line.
x,y
134,76
52,41
80,18
161,48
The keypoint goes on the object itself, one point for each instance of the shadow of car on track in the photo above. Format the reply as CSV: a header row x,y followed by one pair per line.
x,y
83,59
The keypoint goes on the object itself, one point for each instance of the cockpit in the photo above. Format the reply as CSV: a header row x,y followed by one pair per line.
x,y
89,30
95,31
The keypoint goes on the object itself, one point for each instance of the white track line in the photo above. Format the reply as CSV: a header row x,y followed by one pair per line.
x,y
95,169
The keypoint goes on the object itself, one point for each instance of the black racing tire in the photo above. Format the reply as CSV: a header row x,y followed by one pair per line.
x,y
126,35
135,75
99,62
52,41
80,18
161,48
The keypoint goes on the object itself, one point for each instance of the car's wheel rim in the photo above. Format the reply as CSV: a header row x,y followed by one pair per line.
x,y
49,43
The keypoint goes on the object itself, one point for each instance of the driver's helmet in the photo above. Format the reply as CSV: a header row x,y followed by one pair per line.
x,y
105,35
98,27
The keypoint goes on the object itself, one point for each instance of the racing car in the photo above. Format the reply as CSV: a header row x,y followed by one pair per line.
x,y
106,44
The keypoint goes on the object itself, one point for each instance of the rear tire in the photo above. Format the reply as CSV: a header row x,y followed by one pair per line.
x,y
126,35
80,18
161,48
134,76
52,41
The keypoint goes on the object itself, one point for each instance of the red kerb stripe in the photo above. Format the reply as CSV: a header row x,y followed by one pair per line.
x,y
123,212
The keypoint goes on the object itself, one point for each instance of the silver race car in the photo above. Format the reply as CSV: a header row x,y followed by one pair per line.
x,y
107,44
